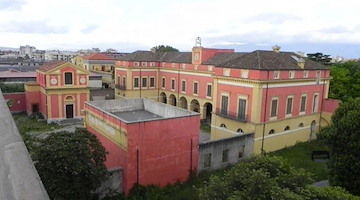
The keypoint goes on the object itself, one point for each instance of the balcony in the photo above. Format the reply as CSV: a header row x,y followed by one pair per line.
x,y
120,87
231,115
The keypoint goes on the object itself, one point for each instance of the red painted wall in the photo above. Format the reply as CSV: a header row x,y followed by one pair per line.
x,y
233,101
54,106
284,92
43,105
330,105
165,151
32,98
18,101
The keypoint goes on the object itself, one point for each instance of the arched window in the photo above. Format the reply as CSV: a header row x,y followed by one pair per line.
x,y
301,125
272,131
223,126
240,130
287,128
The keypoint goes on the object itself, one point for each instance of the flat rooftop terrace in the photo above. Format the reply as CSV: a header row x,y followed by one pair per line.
x,y
140,110
137,115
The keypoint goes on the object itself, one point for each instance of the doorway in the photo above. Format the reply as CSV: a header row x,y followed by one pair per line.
x,y
69,111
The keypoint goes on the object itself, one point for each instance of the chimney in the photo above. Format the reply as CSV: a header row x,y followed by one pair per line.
x,y
301,63
276,48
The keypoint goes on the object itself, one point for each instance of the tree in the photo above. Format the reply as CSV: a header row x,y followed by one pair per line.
x,y
71,165
320,58
263,178
343,139
346,80
162,48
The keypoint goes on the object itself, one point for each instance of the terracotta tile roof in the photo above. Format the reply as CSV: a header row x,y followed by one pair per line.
x,y
270,60
9,74
98,56
50,65
149,56
221,58
176,57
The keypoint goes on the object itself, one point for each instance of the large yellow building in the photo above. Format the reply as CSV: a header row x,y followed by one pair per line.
x,y
281,97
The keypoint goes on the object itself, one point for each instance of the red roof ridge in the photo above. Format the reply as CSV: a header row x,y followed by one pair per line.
x,y
98,56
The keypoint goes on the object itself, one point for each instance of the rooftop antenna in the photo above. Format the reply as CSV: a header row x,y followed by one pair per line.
x,y
198,42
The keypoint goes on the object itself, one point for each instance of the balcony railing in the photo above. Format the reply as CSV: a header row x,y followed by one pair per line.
x,y
231,115
120,87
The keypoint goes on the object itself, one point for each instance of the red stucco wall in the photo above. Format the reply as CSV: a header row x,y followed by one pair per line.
x,y
18,102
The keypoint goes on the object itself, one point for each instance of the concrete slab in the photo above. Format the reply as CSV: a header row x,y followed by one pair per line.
x,y
18,176
137,115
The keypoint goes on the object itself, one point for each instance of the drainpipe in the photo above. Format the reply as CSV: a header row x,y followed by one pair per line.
x,y
140,82
191,157
178,87
265,113
137,166
322,103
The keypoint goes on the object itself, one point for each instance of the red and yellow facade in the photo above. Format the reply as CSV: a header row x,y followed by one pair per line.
x,y
282,103
60,91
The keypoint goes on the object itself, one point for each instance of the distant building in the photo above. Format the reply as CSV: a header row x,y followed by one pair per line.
x,y
59,55
26,50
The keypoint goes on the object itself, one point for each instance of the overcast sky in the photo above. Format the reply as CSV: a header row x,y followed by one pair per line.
x,y
328,26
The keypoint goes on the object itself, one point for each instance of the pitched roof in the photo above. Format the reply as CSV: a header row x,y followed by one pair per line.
x,y
98,56
149,56
270,60
176,57
50,65
221,58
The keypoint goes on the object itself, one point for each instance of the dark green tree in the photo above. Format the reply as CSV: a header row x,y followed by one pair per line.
x,y
320,58
265,177
346,80
162,48
343,139
71,165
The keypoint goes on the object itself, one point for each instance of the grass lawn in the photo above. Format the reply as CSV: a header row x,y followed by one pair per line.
x,y
300,157
205,127
28,124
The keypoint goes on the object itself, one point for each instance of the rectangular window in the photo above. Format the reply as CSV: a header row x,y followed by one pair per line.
x,y
276,74
136,64
136,82
209,90
144,82
183,85
68,78
241,151
152,82
274,104
303,104
224,105
289,105
244,73
291,74
144,64
124,81
195,88
118,80
316,102
207,160
163,82
152,64
242,109
225,156
226,72
306,74
173,84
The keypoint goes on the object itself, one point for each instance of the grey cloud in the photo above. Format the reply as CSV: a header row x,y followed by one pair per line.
x,y
273,18
11,4
40,27
89,29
